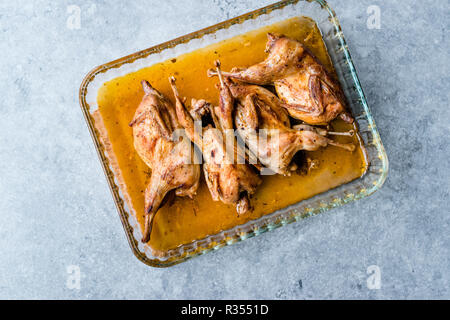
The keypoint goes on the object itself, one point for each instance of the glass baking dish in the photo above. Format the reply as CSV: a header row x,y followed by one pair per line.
x,y
333,37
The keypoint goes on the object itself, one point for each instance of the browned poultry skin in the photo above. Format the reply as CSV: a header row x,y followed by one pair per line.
x,y
171,162
310,94
258,108
228,181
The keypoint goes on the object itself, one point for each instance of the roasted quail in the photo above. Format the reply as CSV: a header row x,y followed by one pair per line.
x,y
228,179
171,161
264,126
310,94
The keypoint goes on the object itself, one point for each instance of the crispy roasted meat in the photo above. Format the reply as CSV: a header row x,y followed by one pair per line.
x,y
263,124
229,180
309,93
171,161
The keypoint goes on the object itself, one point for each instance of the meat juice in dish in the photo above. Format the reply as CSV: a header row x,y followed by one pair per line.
x,y
183,220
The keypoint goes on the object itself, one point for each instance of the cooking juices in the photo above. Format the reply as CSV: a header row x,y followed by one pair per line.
x,y
182,220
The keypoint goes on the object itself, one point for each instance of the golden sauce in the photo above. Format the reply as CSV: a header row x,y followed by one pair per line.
x,y
184,220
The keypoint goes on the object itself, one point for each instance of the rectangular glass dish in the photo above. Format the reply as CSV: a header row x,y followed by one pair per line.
x,y
377,164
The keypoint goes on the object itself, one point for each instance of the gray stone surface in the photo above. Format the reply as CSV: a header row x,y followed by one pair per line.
x,y
57,211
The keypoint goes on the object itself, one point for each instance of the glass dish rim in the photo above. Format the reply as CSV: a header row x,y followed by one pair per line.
x,y
187,38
